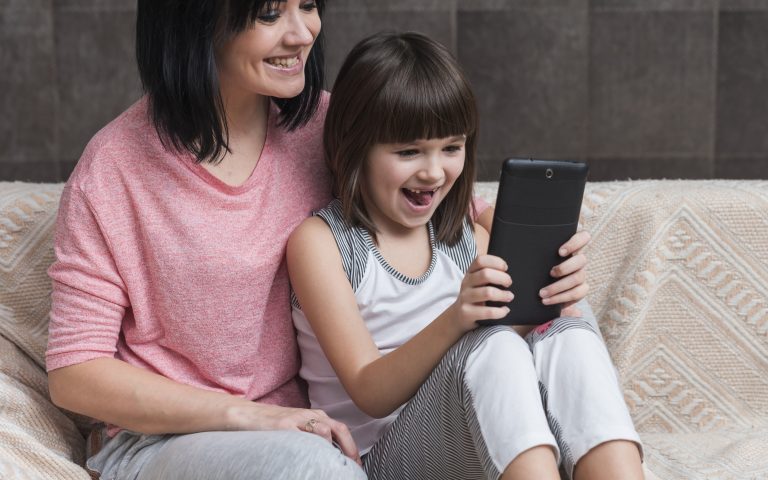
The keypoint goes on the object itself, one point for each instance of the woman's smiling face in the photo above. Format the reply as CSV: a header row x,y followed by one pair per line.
x,y
269,57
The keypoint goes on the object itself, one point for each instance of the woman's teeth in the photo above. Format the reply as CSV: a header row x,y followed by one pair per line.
x,y
283,62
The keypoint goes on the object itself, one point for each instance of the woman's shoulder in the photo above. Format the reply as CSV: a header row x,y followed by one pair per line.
x,y
125,137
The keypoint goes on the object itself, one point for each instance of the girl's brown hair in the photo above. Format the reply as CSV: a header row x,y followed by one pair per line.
x,y
397,88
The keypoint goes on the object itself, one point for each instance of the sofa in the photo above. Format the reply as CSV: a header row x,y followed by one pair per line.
x,y
679,282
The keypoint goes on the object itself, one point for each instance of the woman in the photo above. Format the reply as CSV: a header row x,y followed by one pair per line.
x,y
170,307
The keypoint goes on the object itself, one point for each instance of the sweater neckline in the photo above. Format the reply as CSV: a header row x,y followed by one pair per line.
x,y
259,170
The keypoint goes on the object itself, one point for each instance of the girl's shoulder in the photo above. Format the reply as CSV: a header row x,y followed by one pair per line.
x,y
464,251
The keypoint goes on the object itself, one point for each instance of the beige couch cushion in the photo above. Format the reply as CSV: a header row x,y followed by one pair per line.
x,y
37,440
27,216
679,282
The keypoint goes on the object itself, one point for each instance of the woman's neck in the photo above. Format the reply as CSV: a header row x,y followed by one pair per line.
x,y
247,117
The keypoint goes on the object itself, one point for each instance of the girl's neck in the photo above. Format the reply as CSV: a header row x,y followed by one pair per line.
x,y
409,251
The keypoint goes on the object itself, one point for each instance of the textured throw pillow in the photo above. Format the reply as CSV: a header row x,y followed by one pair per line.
x,y
27,217
37,441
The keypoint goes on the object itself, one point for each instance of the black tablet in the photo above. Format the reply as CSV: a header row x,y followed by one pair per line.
x,y
537,211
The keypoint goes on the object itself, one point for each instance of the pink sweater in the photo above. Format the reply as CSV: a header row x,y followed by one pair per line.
x,y
160,264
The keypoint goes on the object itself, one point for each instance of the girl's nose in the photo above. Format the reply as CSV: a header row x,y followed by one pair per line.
x,y
432,169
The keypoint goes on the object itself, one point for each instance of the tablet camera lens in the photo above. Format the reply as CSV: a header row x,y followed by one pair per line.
x,y
549,173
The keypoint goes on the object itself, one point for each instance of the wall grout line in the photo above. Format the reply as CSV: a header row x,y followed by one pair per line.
x,y
715,90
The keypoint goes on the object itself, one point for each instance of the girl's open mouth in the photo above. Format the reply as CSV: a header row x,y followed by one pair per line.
x,y
418,198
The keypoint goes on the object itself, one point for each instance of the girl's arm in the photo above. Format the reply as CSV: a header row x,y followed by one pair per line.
x,y
380,384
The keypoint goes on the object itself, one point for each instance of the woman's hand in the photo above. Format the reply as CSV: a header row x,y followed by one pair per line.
x,y
481,284
259,416
571,284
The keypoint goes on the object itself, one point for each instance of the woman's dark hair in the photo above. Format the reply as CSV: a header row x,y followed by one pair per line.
x,y
397,88
175,49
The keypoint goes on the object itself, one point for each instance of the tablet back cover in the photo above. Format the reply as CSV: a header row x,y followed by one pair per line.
x,y
537,211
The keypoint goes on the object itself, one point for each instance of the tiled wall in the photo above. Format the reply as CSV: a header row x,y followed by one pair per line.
x,y
638,88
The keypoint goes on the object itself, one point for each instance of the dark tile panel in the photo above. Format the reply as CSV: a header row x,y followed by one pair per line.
x,y
30,171
66,167
96,5
654,5
390,5
344,28
97,71
652,84
742,103
511,5
742,167
28,83
743,5
602,169
528,69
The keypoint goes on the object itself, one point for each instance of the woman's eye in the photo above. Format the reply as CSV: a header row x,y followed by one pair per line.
x,y
269,12
309,6
269,17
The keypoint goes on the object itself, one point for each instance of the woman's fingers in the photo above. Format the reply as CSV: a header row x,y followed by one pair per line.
x,y
343,439
320,424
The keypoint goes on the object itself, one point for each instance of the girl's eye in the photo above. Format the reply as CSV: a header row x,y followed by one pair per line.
x,y
453,148
408,153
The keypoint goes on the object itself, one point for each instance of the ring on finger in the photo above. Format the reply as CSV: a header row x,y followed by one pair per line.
x,y
310,425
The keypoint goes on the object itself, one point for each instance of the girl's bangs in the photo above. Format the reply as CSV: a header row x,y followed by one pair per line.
x,y
412,107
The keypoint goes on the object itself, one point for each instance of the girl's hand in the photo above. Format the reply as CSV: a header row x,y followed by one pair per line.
x,y
259,416
571,285
480,286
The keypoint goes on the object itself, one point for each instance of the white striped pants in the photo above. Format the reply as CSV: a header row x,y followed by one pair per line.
x,y
495,395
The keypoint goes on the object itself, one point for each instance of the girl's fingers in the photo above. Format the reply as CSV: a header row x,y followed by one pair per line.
x,y
573,295
486,293
578,241
573,264
487,276
564,284
487,261
485,312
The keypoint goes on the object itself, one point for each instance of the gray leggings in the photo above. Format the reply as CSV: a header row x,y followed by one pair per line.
x,y
223,455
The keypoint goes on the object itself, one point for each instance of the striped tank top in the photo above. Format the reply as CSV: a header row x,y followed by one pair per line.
x,y
394,307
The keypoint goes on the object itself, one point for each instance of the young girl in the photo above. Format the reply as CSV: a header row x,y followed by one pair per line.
x,y
391,277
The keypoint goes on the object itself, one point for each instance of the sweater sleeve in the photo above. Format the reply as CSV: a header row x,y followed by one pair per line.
x,y
478,207
89,298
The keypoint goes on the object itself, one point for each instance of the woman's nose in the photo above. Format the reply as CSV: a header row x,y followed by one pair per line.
x,y
298,30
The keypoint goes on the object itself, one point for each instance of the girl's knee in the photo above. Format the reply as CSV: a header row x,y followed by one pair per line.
x,y
504,351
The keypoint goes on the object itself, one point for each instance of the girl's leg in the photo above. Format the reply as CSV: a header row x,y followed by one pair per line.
x,y
610,460
478,411
224,455
583,400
